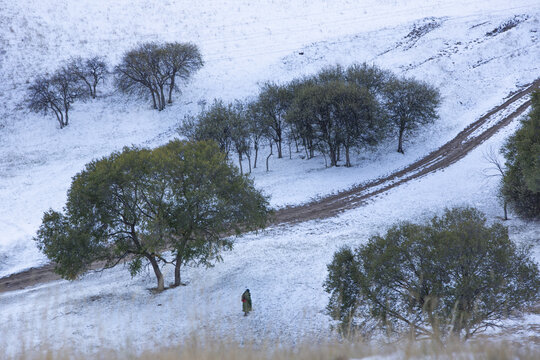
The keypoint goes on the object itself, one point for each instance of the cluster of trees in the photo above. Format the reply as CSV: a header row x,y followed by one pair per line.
x,y
453,276
333,112
156,69
76,80
521,179
151,68
135,205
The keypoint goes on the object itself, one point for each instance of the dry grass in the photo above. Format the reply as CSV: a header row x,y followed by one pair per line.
x,y
195,350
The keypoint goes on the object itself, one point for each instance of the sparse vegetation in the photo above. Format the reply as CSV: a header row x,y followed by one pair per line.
x,y
309,349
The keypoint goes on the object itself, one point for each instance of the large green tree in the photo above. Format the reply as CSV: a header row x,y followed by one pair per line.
x,y
207,199
138,203
521,181
453,276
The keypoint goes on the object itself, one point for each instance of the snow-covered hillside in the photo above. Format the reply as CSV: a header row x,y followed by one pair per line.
x,y
244,43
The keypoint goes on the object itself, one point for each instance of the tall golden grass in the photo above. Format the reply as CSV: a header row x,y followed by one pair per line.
x,y
194,349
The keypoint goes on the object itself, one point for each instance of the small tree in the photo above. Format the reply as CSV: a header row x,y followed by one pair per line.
x,y
56,94
155,68
181,61
257,127
273,102
497,169
410,103
521,181
454,276
212,124
89,71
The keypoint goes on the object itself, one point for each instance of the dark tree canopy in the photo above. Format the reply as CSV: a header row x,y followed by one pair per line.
x,y
156,69
521,181
211,124
454,276
334,112
55,94
410,103
138,203
272,103
89,71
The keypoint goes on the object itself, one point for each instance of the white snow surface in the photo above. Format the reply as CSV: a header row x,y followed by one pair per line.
x,y
244,44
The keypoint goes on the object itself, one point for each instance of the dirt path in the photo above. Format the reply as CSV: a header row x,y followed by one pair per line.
x,y
454,150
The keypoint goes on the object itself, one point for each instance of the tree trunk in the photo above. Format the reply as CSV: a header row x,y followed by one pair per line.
x,y
177,265
347,157
153,98
278,144
240,162
332,154
171,87
94,94
290,150
157,271
268,157
256,146
400,141
66,118
249,161
162,95
505,210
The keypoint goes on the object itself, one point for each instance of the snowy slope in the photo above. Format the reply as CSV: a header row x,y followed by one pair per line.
x,y
244,43
284,268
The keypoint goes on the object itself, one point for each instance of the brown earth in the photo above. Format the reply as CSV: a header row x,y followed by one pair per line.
x,y
329,206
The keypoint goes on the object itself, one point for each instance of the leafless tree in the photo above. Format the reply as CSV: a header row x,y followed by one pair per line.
x,y
497,169
156,68
89,71
55,94
181,60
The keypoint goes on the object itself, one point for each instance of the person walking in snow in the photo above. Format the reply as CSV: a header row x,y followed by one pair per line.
x,y
246,302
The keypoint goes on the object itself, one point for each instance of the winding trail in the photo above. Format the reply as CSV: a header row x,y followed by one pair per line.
x,y
454,150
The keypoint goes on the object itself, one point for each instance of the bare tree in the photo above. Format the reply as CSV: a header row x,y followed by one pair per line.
x,y
134,73
89,71
55,94
497,169
181,60
154,68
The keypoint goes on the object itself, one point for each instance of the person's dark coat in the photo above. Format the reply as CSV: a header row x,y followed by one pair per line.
x,y
246,302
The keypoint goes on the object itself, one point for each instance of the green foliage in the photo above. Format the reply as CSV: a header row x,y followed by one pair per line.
x,y
206,199
454,276
71,250
409,104
137,203
521,181
335,114
335,111
212,124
